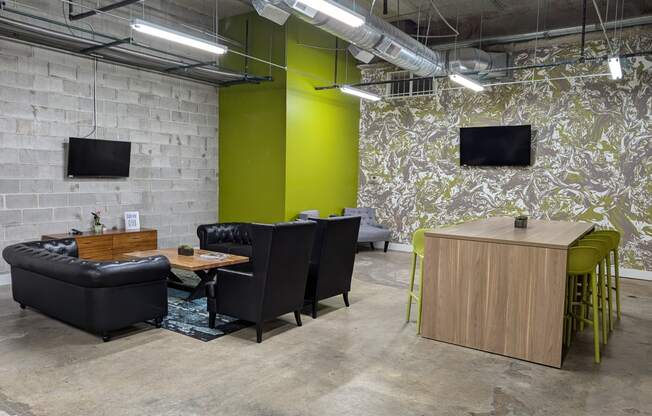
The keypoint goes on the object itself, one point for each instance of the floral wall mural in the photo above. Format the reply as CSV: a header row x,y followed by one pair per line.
x,y
592,146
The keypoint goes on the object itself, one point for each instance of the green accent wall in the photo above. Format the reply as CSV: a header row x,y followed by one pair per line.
x,y
322,126
284,147
251,137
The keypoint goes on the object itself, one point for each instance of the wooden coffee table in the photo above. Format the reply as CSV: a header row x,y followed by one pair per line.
x,y
205,269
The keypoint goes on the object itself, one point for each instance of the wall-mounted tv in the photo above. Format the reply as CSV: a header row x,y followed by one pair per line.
x,y
495,146
98,158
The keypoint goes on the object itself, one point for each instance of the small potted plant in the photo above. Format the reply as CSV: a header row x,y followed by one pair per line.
x,y
97,223
185,250
520,221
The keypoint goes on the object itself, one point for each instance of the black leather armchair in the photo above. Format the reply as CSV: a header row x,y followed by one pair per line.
x,y
228,237
275,281
98,297
331,263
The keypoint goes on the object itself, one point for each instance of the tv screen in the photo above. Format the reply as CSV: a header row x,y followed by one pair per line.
x,y
495,146
98,158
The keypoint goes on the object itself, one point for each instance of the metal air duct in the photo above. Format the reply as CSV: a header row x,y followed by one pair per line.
x,y
388,42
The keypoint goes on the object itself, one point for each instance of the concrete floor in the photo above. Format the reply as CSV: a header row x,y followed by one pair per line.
x,y
362,360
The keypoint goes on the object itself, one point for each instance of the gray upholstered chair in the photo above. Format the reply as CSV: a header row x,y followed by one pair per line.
x,y
370,230
310,213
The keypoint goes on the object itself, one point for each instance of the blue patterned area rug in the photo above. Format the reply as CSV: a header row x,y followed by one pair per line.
x,y
191,318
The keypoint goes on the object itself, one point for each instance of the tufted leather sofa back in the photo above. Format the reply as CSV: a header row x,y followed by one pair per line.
x,y
66,247
50,258
228,232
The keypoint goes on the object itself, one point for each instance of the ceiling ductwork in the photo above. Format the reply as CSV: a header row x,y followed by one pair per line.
x,y
387,42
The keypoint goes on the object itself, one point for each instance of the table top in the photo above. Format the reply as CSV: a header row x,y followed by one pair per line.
x,y
540,233
192,263
60,236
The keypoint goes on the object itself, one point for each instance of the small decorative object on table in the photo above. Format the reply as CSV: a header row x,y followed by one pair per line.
x,y
97,224
520,221
132,220
214,256
186,250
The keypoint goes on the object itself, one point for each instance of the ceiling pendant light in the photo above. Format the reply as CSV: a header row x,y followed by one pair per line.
x,y
177,37
336,11
614,68
466,82
359,93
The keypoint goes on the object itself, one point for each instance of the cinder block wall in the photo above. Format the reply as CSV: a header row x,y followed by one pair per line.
x,y
46,97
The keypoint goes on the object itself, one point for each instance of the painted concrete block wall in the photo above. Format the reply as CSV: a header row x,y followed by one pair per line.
x,y
46,97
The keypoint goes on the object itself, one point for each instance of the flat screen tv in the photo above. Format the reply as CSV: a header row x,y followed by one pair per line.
x,y
98,158
495,146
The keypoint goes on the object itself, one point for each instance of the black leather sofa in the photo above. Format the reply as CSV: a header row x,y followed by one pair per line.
x,y
331,262
98,297
228,237
273,283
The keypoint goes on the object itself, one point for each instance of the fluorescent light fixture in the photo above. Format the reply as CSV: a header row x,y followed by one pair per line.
x,y
614,67
359,93
334,10
466,82
177,37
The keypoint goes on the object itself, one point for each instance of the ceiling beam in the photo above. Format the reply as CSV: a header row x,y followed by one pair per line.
x,y
106,8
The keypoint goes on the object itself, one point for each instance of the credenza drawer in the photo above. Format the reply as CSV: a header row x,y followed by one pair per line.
x,y
124,243
97,247
112,244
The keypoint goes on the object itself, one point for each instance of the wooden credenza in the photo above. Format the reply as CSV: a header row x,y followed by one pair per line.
x,y
112,244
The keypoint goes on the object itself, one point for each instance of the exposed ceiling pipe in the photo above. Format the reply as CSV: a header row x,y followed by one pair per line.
x,y
82,43
552,33
385,41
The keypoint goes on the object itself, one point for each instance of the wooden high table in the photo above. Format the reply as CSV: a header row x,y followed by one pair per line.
x,y
496,288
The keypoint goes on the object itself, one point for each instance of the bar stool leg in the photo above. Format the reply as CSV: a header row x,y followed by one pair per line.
x,y
420,297
603,301
575,287
411,289
567,306
596,323
584,301
617,278
609,291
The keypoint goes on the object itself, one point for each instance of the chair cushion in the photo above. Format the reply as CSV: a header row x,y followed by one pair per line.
x,y
369,234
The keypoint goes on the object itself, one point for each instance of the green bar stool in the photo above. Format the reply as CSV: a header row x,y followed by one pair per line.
x,y
418,242
615,243
603,249
608,240
582,262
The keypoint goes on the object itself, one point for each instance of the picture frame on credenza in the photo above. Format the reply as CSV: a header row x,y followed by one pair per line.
x,y
132,221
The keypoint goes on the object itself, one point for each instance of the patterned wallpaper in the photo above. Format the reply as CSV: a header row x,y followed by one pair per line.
x,y
592,146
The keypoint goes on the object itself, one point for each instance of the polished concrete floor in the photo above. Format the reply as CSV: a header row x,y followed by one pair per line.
x,y
362,360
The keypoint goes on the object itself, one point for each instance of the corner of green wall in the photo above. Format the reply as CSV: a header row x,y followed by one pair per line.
x,y
322,126
283,146
251,138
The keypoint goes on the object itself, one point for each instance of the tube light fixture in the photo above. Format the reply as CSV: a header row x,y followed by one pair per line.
x,y
359,93
177,37
466,82
336,11
614,67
